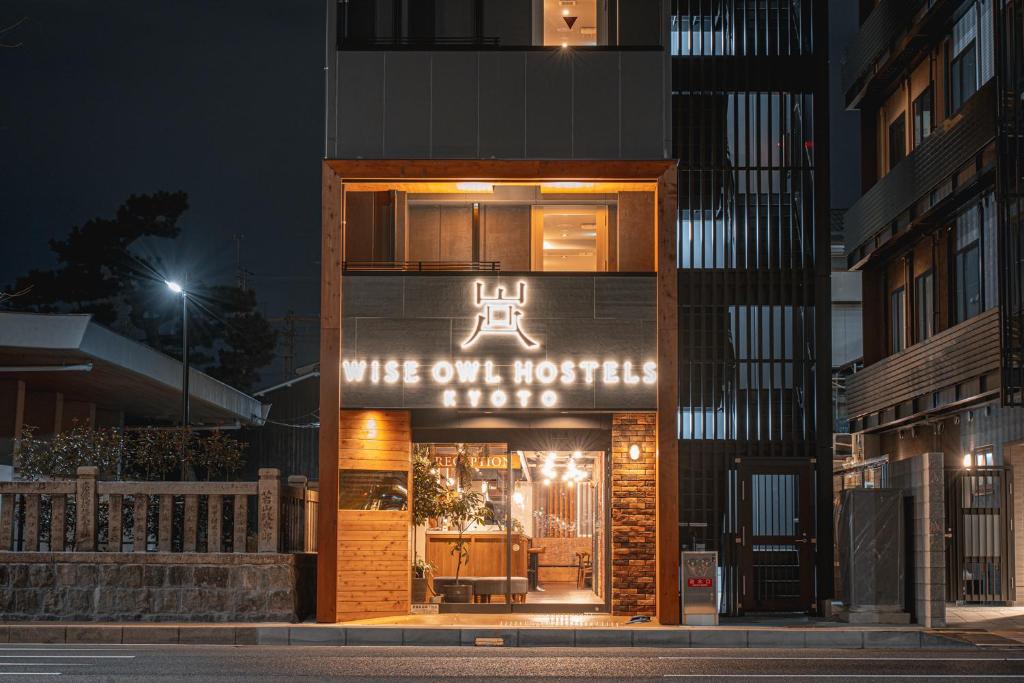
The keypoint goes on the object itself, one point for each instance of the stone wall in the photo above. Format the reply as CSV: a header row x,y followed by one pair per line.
x,y
211,587
923,479
634,514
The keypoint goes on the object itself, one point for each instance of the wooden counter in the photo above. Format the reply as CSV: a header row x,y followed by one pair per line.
x,y
486,553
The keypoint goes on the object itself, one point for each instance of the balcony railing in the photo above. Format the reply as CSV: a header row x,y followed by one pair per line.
x,y
951,146
877,53
423,266
959,354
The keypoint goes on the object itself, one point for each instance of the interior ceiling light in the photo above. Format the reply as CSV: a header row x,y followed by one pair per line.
x,y
474,187
566,184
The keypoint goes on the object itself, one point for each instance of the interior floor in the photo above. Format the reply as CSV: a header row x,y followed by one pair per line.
x,y
562,593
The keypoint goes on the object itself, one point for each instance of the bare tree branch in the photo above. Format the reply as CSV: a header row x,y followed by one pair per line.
x,y
7,296
4,30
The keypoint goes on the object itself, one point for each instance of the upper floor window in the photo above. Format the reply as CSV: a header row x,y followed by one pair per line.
x,y
897,318
924,116
924,306
967,291
897,141
963,61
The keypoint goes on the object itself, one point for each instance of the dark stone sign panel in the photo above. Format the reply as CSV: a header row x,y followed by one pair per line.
x,y
499,342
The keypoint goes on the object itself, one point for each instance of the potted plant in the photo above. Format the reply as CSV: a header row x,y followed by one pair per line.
x,y
427,495
462,508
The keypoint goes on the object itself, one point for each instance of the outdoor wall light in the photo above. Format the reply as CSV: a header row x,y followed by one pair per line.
x,y
173,286
967,460
634,452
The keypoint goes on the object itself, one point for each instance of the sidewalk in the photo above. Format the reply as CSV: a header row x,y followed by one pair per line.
x,y
552,631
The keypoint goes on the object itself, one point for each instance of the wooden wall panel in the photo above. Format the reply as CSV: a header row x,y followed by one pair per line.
x,y
373,575
505,236
424,236
635,233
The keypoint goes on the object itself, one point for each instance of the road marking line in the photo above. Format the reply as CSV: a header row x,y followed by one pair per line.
x,y
67,656
887,676
853,659
29,673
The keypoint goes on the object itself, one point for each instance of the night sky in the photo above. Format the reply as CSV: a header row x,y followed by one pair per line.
x,y
105,98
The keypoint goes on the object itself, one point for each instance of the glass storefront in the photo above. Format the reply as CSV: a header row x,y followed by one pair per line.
x,y
502,530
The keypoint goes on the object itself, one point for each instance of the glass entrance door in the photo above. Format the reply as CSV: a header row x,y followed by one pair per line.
x,y
530,535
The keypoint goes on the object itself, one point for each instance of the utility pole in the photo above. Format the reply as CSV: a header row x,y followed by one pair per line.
x,y
241,274
288,334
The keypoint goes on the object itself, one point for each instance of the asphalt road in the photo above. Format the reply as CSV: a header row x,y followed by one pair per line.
x,y
258,663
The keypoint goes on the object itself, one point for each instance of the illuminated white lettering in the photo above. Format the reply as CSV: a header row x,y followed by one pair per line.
x,y
523,372
375,371
610,372
524,397
628,376
490,376
499,398
650,372
442,372
467,371
568,372
449,398
411,372
474,397
355,370
391,372
547,372
588,367
548,399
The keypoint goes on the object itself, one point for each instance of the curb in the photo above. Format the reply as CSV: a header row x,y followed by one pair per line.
x,y
315,635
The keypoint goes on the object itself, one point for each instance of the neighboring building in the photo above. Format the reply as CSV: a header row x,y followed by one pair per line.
x,y
289,437
847,338
584,242
59,370
937,237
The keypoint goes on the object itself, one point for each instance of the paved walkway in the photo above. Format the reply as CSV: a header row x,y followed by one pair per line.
x,y
1006,622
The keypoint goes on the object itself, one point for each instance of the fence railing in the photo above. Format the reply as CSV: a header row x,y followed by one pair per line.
x,y
89,515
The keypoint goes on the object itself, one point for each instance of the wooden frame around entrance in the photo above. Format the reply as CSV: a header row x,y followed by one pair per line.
x,y
335,174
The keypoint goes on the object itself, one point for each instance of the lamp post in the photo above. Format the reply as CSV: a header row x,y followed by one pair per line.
x,y
185,420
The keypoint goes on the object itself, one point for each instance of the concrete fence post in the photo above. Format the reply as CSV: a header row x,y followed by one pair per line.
x,y
86,519
269,510
300,522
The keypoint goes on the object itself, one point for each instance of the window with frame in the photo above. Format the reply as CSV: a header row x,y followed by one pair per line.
x,y
924,116
963,61
897,329
924,306
897,141
967,266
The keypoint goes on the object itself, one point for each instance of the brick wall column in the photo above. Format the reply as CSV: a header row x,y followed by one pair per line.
x,y
634,514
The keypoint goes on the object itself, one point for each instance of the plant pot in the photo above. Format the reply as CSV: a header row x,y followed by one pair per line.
x,y
419,589
458,592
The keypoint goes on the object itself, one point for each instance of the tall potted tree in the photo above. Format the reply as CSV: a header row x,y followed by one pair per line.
x,y
427,496
462,507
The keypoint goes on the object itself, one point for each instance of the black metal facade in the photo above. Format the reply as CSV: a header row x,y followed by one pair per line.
x,y
750,123
1010,82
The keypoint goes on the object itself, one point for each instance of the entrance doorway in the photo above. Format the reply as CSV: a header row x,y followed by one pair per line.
x,y
539,542
776,536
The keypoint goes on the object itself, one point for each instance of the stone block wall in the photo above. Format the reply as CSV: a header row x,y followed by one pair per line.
x,y
215,587
634,514
923,479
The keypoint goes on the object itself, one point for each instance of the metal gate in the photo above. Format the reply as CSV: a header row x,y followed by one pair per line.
x,y
776,536
979,542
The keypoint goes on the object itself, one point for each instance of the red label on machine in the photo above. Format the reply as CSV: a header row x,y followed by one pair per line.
x,y
698,583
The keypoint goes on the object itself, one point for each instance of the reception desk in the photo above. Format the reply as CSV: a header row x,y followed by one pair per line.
x,y
487,553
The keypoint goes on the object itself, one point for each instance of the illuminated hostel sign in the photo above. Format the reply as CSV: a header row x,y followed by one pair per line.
x,y
496,358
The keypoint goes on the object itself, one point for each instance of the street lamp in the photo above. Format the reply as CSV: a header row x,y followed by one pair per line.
x,y
178,289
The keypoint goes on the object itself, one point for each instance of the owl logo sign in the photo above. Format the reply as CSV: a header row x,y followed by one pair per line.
x,y
500,315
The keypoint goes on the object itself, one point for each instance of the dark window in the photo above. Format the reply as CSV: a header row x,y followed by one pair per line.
x,y
963,78
968,281
924,306
897,330
373,490
924,116
897,141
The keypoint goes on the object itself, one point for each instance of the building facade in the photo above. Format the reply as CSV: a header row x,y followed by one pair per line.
x,y
936,235
574,256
